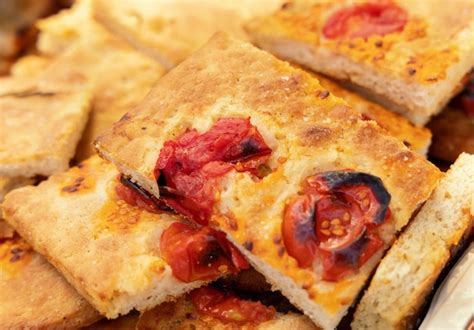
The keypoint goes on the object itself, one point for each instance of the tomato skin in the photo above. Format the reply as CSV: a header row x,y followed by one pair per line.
x,y
132,197
365,20
229,308
335,219
199,253
299,236
193,164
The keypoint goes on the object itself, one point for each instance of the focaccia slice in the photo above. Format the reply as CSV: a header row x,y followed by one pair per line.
x,y
230,312
406,275
272,126
410,55
416,138
34,295
108,250
90,57
39,127
170,31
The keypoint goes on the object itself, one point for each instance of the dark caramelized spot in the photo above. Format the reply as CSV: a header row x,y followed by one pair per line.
x,y
379,43
322,94
248,244
281,251
71,189
411,71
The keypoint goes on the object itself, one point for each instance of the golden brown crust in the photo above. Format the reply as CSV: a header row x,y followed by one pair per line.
x,y
39,127
34,294
453,133
171,31
416,138
117,75
312,131
109,251
415,71
182,314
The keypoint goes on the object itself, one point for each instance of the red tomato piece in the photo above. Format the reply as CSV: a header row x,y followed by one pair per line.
x,y
299,235
192,164
365,20
136,197
199,253
228,308
336,218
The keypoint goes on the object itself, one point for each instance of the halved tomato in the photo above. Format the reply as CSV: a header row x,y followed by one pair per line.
x,y
336,216
188,168
229,308
199,253
365,20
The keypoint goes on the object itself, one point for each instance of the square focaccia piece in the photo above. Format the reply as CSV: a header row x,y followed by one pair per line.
x,y
237,139
39,127
97,232
34,295
406,275
409,55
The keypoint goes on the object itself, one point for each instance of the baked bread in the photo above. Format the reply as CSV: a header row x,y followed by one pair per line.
x,y
92,57
171,31
297,130
107,249
450,308
408,55
39,127
184,314
34,295
416,138
7,184
407,273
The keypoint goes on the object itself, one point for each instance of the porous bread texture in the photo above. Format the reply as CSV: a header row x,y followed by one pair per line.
x,y
386,69
33,294
308,134
169,31
416,138
39,128
108,250
416,102
406,275
7,184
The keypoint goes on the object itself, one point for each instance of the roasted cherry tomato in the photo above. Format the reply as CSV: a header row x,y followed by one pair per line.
x,y
365,20
188,168
228,308
335,217
134,195
199,253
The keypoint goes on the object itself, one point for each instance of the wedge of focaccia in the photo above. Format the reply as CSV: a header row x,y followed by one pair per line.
x,y
237,139
118,75
98,233
416,138
407,273
211,308
410,55
33,294
39,127
169,31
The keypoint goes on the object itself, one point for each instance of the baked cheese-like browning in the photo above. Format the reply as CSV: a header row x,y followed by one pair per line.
x,y
39,127
108,250
309,131
182,314
416,138
171,31
33,293
415,68
406,275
